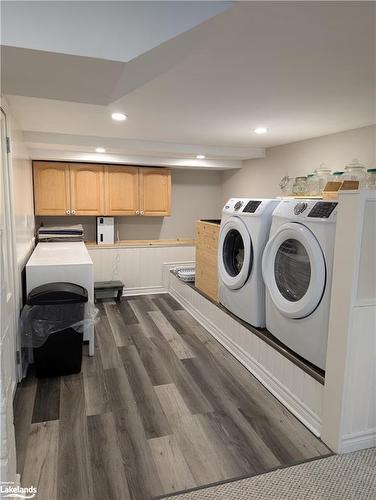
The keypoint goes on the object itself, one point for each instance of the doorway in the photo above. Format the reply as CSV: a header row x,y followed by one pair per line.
x,y
8,313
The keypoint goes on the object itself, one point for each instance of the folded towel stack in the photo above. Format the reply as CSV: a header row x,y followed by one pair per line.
x,y
61,233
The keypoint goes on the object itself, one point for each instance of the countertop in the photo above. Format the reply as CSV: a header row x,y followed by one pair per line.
x,y
60,254
215,222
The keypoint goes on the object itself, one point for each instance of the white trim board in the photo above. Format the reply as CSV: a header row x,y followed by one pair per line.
x,y
144,290
358,441
296,390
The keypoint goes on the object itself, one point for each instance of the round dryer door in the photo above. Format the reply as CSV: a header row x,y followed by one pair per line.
x,y
235,253
294,271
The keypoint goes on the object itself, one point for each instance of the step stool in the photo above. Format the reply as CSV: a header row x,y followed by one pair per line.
x,y
108,289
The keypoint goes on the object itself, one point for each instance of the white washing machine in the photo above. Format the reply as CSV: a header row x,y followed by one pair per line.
x,y
297,270
244,232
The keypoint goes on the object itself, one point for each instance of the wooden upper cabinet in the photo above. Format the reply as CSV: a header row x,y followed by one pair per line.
x,y
92,189
86,189
121,190
51,188
155,191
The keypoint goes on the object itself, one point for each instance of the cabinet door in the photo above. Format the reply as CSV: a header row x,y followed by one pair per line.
x,y
51,188
121,190
86,186
155,191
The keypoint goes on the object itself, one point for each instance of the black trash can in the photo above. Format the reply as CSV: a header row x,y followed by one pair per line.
x,y
56,307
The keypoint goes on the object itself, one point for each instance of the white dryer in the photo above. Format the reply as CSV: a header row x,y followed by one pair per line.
x,y
297,270
244,232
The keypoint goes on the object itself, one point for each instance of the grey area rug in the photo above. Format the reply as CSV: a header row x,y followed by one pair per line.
x,y
339,477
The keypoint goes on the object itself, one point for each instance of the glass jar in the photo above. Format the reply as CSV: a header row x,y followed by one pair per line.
x,y
286,184
323,175
371,178
313,188
337,176
355,171
300,186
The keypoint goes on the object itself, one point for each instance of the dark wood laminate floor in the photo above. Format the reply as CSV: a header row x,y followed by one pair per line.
x,y
162,407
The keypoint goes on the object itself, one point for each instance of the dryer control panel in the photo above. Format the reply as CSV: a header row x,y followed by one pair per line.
x,y
308,210
322,209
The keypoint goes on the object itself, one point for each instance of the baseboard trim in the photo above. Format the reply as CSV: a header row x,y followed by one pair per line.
x,y
358,441
310,419
144,290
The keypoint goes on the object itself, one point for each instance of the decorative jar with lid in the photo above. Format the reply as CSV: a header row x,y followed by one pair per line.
x,y
323,175
300,186
313,188
286,185
337,176
371,178
355,171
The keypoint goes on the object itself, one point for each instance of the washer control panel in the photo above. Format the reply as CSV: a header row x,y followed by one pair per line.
x,y
249,207
300,207
322,209
238,205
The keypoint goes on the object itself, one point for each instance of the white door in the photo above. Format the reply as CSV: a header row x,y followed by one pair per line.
x,y
235,253
7,315
294,271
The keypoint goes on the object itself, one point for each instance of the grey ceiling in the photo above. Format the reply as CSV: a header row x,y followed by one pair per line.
x,y
303,69
115,30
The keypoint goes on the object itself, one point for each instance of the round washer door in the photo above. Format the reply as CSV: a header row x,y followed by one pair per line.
x,y
294,271
235,253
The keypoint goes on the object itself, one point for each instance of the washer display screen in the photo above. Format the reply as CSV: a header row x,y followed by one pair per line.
x,y
251,206
292,270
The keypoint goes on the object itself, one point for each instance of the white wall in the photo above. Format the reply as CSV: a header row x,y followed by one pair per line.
x,y
260,177
22,181
195,195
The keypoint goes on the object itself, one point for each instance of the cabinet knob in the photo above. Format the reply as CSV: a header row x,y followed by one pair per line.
x,y
68,212
142,212
137,212
74,212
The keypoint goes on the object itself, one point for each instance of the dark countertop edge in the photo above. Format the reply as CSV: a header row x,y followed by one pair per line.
x,y
266,336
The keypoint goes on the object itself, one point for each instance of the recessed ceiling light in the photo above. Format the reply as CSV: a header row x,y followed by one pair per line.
x,y
119,117
100,150
260,130
201,157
